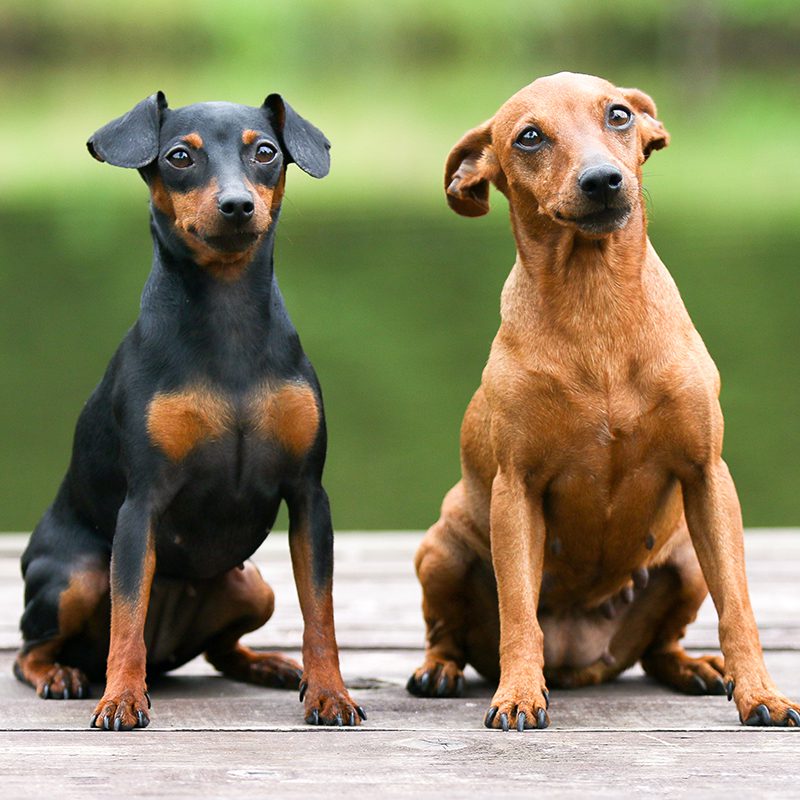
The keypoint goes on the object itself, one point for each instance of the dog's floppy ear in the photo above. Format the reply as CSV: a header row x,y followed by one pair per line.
x,y
132,139
471,166
653,134
302,143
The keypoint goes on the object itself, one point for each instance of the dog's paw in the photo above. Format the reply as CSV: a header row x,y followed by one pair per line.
x,y
763,707
521,705
275,670
675,668
63,683
437,679
263,669
329,705
122,711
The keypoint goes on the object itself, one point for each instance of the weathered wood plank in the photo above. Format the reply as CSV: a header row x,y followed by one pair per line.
x,y
196,698
213,738
375,582
398,764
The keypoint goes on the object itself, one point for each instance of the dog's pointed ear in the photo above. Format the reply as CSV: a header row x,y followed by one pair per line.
x,y
653,135
302,143
471,166
132,139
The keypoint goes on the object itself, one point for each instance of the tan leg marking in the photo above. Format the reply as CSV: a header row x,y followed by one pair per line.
x,y
38,666
327,701
125,702
245,601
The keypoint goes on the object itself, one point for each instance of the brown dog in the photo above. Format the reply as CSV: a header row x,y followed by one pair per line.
x,y
593,487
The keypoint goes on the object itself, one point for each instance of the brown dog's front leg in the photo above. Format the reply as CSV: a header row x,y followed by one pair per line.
x,y
125,702
715,524
327,701
517,537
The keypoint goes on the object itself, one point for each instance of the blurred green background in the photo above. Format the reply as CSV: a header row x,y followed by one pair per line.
x,y
395,297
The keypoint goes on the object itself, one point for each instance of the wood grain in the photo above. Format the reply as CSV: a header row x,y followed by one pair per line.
x,y
211,737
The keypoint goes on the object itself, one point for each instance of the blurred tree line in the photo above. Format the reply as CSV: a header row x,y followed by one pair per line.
x,y
395,298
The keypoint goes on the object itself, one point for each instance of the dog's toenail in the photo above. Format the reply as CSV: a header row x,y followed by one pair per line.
x,y
641,577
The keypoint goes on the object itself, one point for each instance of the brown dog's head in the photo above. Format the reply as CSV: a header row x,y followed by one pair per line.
x,y
569,147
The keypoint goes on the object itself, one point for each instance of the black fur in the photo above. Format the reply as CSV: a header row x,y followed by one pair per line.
x,y
210,511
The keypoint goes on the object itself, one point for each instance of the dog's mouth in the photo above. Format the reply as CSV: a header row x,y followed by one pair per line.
x,y
233,242
606,220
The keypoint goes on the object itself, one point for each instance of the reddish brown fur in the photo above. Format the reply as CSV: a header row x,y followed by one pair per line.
x,y
76,607
196,217
194,139
596,426
244,602
288,414
178,422
125,694
249,136
326,690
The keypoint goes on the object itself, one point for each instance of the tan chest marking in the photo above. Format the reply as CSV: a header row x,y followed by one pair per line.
x,y
178,421
288,414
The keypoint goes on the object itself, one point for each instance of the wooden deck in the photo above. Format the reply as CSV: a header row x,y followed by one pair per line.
x,y
210,737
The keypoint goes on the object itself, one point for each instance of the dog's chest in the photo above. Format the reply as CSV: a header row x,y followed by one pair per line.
x,y
612,477
602,426
284,415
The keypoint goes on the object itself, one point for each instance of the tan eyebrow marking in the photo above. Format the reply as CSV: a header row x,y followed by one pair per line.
x,y
249,136
194,140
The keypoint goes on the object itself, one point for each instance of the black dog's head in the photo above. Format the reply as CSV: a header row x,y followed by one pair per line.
x,y
216,171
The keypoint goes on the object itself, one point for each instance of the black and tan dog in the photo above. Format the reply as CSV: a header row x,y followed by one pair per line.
x,y
593,488
208,416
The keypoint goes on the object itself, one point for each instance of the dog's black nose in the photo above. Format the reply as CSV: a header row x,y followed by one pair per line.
x,y
600,183
236,207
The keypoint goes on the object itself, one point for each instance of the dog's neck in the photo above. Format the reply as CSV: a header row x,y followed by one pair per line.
x,y
177,272
576,280
227,323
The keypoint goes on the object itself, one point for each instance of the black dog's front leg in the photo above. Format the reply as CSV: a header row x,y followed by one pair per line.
x,y
125,702
327,701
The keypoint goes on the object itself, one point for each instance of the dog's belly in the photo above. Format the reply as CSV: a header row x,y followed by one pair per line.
x,y
576,641
228,500
601,528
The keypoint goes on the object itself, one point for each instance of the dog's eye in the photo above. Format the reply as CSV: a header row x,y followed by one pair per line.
x,y
619,117
530,139
265,153
180,158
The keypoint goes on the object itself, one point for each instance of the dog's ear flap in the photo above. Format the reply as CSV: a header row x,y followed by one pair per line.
x,y
302,143
132,139
653,134
471,166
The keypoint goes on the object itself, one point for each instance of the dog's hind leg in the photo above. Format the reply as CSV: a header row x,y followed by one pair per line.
x,y
444,564
650,628
242,601
66,590
665,659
